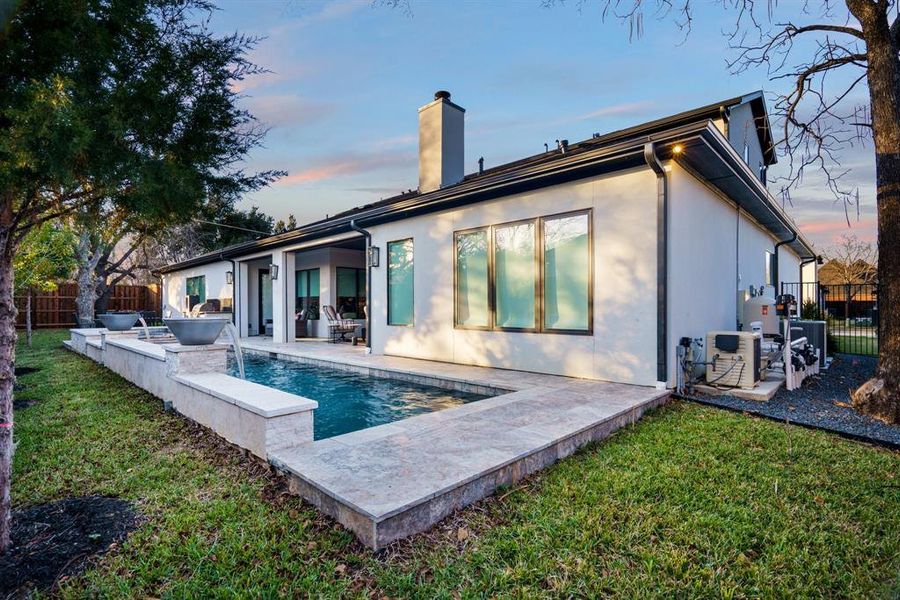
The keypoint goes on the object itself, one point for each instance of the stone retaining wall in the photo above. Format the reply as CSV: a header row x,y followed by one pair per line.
x,y
192,381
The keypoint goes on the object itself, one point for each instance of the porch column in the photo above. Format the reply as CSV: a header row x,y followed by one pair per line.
x,y
290,295
279,298
242,298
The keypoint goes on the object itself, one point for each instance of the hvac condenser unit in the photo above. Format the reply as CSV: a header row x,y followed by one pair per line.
x,y
734,358
816,334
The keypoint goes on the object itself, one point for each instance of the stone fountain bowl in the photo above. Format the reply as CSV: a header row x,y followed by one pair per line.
x,y
197,331
119,321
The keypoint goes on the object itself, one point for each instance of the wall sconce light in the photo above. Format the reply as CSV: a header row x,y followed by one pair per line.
x,y
229,277
273,271
374,255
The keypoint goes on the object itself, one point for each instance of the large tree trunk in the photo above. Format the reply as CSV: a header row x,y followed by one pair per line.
x,y
7,379
880,396
86,278
104,293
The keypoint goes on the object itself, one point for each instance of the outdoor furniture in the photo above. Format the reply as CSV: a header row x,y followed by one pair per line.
x,y
300,325
338,328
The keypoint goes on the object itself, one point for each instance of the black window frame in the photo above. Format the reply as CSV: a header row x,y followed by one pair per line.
x,y
538,284
388,321
490,268
540,281
187,285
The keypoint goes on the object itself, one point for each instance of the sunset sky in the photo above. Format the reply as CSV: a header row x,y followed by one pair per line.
x,y
347,77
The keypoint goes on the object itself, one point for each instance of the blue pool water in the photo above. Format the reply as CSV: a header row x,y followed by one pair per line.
x,y
349,401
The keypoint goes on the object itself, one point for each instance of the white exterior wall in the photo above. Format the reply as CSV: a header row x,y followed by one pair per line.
x,y
714,252
174,285
623,345
742,132
702,258
810,272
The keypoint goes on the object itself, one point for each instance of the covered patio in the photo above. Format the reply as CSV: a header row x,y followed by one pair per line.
x,y
282,295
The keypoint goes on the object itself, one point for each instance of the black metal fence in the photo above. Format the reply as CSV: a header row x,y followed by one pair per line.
x,y
851,311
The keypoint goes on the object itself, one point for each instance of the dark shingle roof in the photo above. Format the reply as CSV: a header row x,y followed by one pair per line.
x,y
472,181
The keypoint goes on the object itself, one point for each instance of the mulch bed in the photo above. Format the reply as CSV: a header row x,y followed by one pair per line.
x,y
822,403
56,540
19,403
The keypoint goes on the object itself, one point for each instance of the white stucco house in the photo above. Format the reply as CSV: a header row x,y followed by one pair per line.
x,y
591,259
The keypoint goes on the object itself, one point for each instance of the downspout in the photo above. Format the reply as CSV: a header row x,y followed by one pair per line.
x,y
368,237
775,274
662,261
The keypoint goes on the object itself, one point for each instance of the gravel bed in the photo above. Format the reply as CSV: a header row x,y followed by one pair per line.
x,y
823,403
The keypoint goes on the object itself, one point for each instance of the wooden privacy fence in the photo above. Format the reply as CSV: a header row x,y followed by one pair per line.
x,y
57,309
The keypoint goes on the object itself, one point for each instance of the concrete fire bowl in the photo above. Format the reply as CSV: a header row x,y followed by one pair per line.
x,y
197,331
119,321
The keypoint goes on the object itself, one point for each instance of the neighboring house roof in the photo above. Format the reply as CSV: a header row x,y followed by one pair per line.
x,y
711,157
833,272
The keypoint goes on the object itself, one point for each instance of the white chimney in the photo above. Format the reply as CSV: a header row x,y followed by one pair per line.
x,y
441,142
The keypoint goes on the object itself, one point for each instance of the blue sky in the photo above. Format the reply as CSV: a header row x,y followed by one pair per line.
x,y
347,77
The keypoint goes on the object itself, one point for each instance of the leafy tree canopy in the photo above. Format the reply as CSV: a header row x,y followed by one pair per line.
x,y
45,257
129,103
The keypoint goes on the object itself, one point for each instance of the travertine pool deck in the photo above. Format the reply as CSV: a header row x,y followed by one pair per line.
x,y
387,482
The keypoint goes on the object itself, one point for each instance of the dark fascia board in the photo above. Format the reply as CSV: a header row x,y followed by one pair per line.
x,y
757,101
605,159
725,170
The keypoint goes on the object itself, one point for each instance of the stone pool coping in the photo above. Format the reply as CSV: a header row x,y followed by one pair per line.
x,y
391,481
192,381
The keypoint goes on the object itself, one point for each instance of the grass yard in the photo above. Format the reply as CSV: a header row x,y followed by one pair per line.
x,y
692,501
848,344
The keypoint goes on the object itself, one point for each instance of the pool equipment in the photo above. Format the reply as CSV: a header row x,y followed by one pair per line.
x,y
761,308
735,359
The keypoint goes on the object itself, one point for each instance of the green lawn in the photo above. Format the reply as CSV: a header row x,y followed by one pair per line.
x,y
853,344
690,502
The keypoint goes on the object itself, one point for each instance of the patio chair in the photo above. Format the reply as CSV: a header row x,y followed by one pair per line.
x,y
338,328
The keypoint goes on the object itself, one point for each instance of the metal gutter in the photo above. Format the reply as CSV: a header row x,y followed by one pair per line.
x,y
662,261
714,141
775,270
576,164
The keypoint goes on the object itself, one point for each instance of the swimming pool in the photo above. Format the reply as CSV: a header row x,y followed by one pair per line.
x,y
349,401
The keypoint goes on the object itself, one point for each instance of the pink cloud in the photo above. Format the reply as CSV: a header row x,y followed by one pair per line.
x,y
347,165
827,231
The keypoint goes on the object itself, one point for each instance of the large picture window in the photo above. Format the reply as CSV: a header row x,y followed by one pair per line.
x,y
567,272
400,282
308,293
533,275
351,292
196,291
473,279
515,275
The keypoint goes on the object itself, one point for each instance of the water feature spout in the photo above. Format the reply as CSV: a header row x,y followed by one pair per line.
x,y
146,329
238,353
171,311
